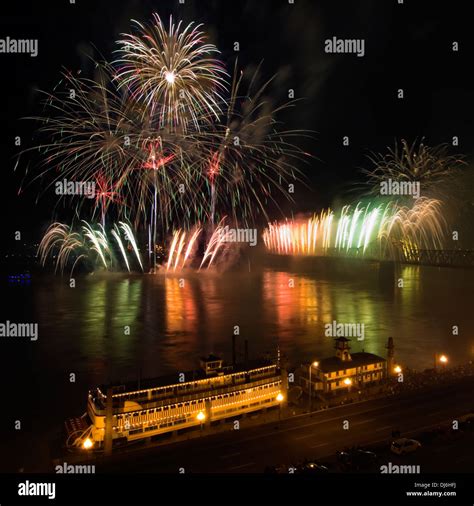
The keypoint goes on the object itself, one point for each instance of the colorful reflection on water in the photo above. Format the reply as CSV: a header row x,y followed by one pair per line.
x,y
116,326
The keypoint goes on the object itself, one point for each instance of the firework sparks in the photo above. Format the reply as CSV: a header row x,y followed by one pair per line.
x,y
411,229
98,239
431,167
104,194
93,134
182,246
246,159
98,134
129,236
60,237
66,246
214,246
300,237
382,231
174,71
116,235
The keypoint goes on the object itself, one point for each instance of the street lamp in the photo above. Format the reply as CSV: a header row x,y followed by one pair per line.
x,y
201,417
442,359
348,383
397,369
87,444
310,388
279,398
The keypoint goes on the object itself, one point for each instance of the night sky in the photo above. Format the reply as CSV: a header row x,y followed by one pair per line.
x,y
407,46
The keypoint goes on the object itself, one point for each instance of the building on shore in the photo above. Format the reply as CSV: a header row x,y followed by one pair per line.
x,y
344,371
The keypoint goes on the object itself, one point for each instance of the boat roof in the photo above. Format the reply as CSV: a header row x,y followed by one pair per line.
x,y
189,376
357,359
211,358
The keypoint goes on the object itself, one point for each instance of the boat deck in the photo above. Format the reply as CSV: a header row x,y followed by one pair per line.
x,y
160,391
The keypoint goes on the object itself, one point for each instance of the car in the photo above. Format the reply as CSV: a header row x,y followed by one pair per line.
x,y
357,459
278,469
311,468
404,445
365,459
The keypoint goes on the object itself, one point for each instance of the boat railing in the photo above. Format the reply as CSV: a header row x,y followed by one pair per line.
x,y
202,385
180,399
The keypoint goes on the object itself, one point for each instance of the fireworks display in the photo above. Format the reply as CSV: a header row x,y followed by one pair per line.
x,y
384,231
174,149
165,142
92,248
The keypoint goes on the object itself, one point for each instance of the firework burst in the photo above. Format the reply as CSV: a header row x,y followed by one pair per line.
x,y
93,134
431,167
97,134
173,71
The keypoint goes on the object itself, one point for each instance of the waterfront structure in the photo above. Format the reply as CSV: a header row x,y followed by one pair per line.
x,y
120,414
392,368
343,371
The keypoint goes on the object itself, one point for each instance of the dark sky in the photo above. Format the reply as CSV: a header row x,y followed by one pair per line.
x,y
406,46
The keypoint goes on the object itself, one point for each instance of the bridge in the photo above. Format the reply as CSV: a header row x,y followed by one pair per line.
x,y
405,253
440,258
400,255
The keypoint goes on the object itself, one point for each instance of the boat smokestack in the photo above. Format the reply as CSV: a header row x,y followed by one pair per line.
x,y
108,436
390,356
233,349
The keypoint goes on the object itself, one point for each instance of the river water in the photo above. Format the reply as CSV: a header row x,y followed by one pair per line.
x,y
113,327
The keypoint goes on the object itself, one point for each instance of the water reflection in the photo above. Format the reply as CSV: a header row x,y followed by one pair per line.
x,y
127,327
